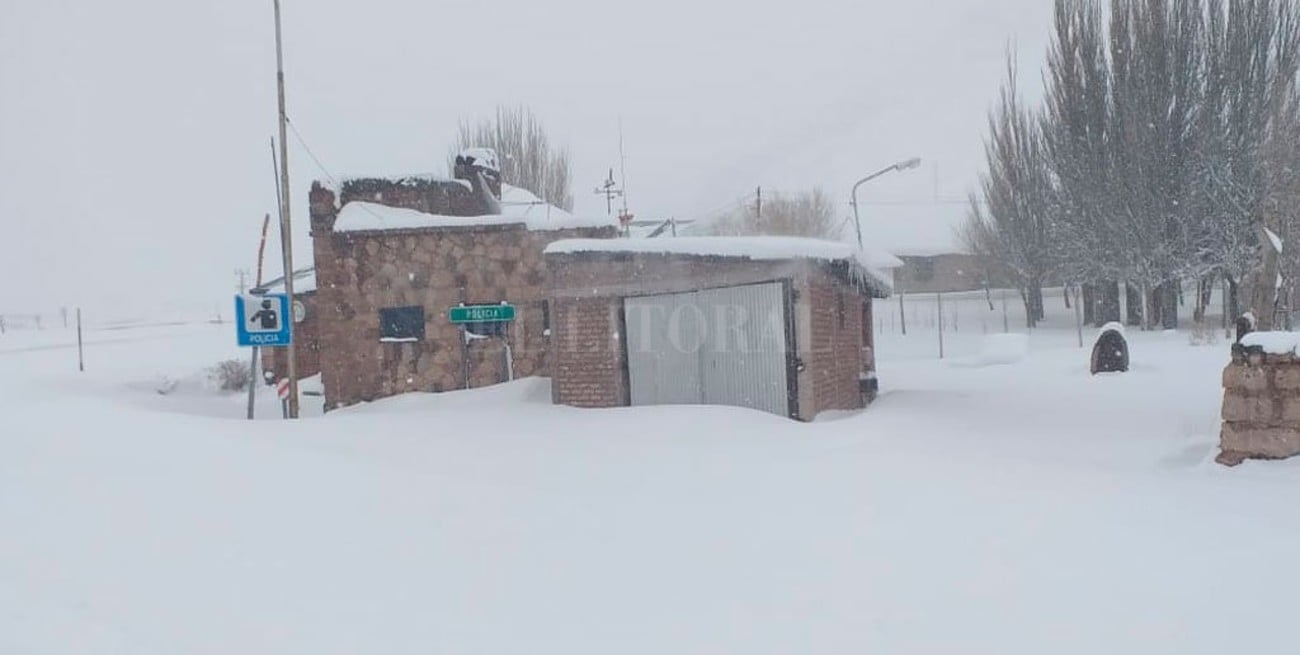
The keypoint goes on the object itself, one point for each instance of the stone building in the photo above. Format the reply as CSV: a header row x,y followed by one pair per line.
x,y
394,256
945,272
306,328
779,324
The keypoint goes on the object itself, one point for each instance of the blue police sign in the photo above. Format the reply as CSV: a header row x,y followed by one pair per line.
x,y
263,320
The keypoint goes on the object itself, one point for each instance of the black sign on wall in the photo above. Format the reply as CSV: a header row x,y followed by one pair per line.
x,y
401,323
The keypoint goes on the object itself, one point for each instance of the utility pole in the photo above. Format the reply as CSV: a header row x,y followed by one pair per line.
x,y
242,274
286,235
758,209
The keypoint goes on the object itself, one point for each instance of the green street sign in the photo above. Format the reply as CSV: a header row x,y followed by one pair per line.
x,y
481,313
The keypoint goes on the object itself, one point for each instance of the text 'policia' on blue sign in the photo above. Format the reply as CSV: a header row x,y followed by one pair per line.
x,y
263,320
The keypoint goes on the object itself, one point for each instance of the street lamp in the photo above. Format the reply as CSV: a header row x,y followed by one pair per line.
x,y
905,165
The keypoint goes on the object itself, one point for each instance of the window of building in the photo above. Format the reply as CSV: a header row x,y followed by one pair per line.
x,y
401,324
923,269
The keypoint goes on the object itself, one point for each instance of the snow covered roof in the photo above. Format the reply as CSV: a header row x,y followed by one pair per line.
x,y
337,185
874,263
482,157
304,281
518,207
1273,343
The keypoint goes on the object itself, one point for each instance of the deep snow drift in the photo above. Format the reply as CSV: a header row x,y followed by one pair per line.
x,y
1024,507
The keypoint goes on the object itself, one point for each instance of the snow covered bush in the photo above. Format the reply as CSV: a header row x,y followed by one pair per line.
x,y
230,375
165,385
1203,334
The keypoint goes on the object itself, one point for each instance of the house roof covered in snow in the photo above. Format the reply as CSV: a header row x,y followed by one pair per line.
x,y
871,266
304,281
518,207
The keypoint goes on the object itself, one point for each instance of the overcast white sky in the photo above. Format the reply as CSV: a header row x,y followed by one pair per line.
x,y
134,134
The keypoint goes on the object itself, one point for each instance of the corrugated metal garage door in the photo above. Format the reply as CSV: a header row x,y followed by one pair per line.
x,y
719,346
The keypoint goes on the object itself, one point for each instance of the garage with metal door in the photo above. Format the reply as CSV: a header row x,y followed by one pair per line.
x,y
725,346
775,324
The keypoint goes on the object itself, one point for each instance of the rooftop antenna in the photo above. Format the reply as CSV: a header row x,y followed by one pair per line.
x,y
609,189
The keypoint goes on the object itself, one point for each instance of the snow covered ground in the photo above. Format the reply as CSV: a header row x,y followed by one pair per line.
x,y
998,501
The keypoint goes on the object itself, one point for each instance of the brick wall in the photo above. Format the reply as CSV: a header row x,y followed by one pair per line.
x,y
588,363
360,273
1261,407
833,352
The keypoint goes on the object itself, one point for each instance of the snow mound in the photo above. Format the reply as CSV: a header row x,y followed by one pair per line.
x,y
1113,325
1273,343
482,157
998,350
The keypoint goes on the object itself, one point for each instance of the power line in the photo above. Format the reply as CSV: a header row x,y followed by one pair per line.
x,y
312,155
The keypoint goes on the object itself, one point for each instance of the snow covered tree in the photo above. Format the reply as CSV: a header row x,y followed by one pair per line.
x,y
527,158
1012,219
1248,130
1077,139
1169,141
806,214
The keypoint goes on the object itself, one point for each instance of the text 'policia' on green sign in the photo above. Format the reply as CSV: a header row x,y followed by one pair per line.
x,y
481,313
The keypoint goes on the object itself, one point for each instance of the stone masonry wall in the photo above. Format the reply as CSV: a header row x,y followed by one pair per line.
x,y
1261,406
360,273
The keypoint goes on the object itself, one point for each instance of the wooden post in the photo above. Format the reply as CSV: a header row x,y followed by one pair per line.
x,y
261,252
81,353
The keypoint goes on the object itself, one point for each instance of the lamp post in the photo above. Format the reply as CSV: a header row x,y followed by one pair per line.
x,y
905,165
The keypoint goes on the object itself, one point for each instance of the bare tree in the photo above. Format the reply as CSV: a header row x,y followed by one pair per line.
x,y
806,214
526,156
1012,220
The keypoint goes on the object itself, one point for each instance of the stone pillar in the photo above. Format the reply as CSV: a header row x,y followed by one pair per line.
x,y
1261,406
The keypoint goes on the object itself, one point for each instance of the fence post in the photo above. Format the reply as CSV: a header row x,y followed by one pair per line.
x,y
902,314
939,296
81,353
